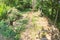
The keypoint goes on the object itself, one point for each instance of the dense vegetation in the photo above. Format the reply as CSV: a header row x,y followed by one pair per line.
x,y
50,8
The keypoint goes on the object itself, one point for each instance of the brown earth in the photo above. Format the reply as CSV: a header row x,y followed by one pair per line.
x,y
39,28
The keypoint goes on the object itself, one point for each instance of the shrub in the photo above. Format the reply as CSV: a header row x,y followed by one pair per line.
x,y
3,11
10,31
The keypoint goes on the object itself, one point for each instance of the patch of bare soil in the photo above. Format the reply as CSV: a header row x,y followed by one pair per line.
x,y
39,28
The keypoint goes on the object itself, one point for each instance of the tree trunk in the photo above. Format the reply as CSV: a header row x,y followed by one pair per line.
x,y
33,4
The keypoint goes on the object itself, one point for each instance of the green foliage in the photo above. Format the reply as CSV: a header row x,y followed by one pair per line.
x,y
22,4
50,8
9,31
14,14
19,4
24,21
6,30
3,11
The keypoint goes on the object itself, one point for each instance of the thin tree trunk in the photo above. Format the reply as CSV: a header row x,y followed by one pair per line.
x,y
33,4
56,14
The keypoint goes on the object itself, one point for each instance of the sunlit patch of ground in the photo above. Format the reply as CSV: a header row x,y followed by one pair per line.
x,y
38,28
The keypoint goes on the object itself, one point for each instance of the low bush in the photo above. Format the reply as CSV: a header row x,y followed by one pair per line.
x,y
10,31
3,11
